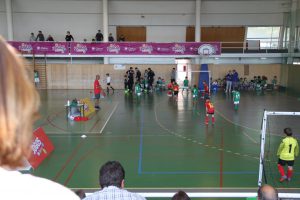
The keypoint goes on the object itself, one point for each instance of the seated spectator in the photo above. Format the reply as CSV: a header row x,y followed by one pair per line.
x,y
180,195
111,178
69,37
111,38
50,38
121,38
99,36
19,104
32,37
267,192
40,36
80,194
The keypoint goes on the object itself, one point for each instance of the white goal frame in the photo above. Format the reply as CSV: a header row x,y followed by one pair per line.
x,y
199,71
263,138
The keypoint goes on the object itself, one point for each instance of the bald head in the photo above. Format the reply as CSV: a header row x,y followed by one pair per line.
x,y
267,192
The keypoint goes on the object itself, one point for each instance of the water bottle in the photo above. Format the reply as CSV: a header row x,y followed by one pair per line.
x,y
68,103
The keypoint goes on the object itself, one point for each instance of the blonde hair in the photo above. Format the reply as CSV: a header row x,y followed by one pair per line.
x,y
19,102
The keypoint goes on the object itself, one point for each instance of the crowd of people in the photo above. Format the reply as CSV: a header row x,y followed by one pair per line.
x,y
232,81
69,38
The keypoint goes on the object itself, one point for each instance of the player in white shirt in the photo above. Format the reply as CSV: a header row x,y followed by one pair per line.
x,y
108,80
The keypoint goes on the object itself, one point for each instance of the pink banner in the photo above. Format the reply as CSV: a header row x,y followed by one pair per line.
x,y
48,48
118,48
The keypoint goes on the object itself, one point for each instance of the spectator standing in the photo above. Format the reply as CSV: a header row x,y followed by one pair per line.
x,y
97,91
138,74
40,36
228,78
235,79
32,37
50,38
130,75
111,38
99,36
173,75
69,37
111,178
151,75
19,97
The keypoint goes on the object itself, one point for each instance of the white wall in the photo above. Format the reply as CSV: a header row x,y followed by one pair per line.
x,y
84,17
3,25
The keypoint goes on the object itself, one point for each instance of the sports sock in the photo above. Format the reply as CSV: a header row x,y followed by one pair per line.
x,y
289,173
281,170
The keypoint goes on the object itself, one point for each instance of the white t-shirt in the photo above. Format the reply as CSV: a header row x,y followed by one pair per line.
x,y
15,185
108,79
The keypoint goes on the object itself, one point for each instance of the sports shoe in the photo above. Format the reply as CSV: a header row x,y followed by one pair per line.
x,y
283,178
289,179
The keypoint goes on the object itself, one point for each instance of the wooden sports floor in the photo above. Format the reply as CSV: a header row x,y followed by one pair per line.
x,y
165,145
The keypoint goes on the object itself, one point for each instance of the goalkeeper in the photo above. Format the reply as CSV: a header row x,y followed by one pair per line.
x,y
287,151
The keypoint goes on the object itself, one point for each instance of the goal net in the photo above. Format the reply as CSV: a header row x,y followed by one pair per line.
x,y
195,78
272,133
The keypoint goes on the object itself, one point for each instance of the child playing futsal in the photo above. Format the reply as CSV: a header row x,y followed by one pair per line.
x,y
170,89
205,93
108,79
185,85
287,151
210,110
236,98
137,89
175,90
195,94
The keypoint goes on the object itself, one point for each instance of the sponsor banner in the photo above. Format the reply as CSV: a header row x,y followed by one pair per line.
x,y
41,148
118,48
48,48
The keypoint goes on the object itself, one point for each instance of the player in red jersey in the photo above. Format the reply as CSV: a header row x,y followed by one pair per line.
x,y
210,110
175,90
205,93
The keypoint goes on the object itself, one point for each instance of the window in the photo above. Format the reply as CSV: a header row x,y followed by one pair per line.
x,y
268,36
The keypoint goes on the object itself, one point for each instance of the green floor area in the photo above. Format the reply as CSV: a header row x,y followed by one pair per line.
x,y
165,144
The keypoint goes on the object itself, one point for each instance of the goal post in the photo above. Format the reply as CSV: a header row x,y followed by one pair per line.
x,y
194,78
263,138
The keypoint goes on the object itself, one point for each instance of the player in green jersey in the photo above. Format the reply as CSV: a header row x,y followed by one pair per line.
x,y
195,94
287,151
185,85
138,89
236,99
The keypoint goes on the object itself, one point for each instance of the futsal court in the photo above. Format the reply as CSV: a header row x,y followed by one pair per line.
x,y
165,145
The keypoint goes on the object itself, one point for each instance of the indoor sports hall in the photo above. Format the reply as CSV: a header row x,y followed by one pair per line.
x,y
166,142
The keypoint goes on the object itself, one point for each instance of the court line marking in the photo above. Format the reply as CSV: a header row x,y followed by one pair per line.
x,y
251,138
187,139
109,117
141,143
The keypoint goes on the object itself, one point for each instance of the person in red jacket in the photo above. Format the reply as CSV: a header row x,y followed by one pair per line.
x,y
97,91
210,110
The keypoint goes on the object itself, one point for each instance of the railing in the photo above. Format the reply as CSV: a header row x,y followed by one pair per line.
x,y
152,49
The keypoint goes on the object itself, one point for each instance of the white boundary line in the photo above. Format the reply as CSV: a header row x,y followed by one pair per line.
x,y
252,139
109,117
